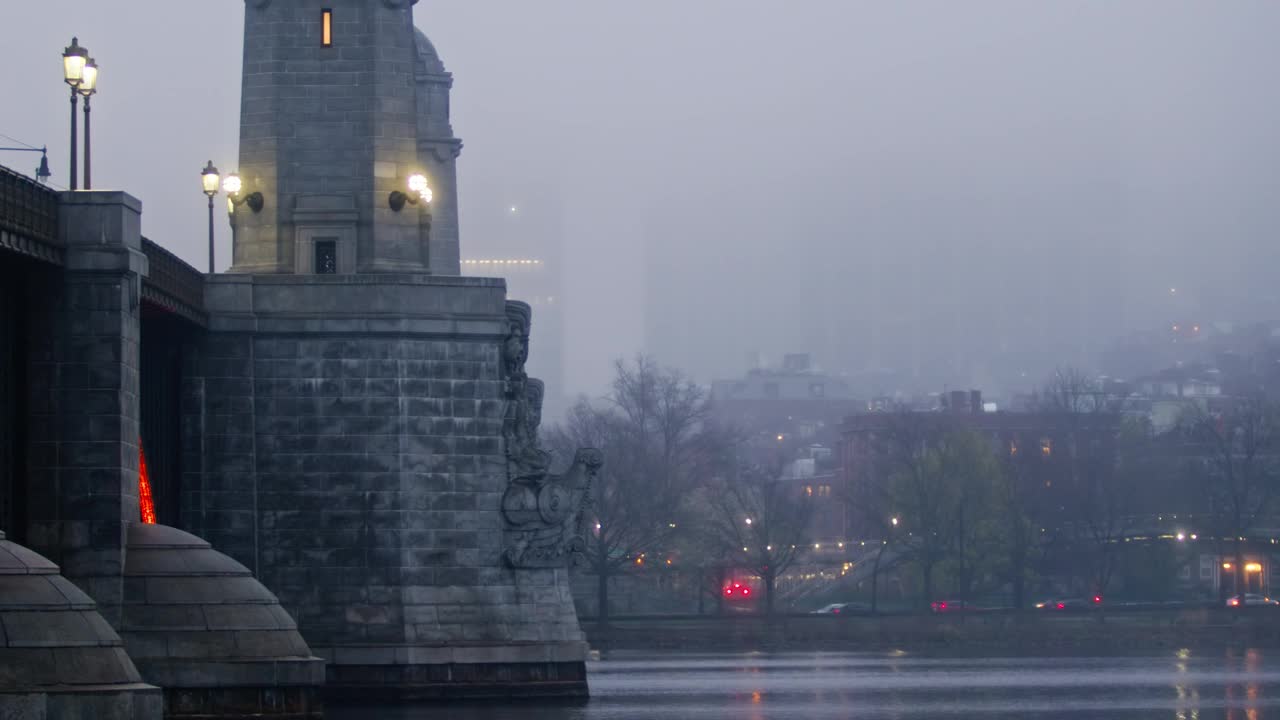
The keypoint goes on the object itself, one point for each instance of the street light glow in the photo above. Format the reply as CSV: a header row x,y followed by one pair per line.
x,y
748,521
894,521
209,179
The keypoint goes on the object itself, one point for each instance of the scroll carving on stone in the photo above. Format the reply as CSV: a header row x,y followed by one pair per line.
x,y
544,512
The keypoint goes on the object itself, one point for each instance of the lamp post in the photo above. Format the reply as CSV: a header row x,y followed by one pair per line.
x,y
74,59
209,180
87,88
43,173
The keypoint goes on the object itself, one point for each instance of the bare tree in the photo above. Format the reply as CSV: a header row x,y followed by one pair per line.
x,y
906,445
652,426
762,520
1096,502
1236,461
971,527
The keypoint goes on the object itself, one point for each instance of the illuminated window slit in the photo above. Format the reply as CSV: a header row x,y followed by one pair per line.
x,y
326,27
146,503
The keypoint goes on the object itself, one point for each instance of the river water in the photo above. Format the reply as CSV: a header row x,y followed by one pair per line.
x,y
808,686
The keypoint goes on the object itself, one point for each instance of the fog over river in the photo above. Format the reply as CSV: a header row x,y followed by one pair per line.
x,y
1178,685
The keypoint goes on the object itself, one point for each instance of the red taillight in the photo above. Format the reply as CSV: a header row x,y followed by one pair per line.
x,y
728,591
835,611
1097,599
746,591
1233,602
942,606
1061,606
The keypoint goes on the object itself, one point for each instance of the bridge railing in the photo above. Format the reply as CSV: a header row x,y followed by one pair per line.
x,y
28,215
173,284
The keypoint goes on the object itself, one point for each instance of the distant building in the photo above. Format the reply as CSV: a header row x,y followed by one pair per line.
x,y
793,402
815,477
521,240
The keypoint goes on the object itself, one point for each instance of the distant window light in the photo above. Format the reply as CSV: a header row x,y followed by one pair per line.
x,y
521,261
808,491
326,27
1046,447
824,491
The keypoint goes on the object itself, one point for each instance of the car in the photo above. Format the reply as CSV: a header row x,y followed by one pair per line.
x,y
1076,603
1250,600
737,591
844,608
949,606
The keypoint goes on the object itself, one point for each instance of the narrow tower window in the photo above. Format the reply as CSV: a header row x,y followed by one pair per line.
x,y
326,260
326,27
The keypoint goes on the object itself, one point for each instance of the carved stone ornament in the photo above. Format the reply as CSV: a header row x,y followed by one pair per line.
x,y
544,512
546,517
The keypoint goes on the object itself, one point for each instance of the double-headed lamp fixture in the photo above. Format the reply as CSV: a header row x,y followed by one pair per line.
x,y
419,191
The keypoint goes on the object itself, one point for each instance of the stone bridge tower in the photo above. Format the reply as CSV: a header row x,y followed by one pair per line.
x,y
361,434
342,101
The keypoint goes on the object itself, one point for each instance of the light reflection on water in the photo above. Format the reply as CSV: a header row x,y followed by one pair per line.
x,y
1179,685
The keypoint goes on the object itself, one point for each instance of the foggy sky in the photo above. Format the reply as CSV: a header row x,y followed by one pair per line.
x,y
945,188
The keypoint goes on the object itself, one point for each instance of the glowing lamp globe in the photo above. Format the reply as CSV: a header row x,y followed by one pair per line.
x,y
210,179
88,79
74,58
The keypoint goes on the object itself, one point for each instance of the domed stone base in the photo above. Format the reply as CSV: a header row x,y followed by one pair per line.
x,y
107,702
199,625
58,657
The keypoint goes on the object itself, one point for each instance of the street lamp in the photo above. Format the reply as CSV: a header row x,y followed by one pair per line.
x,y
87,88
43,173
74,59
894,521
210,181
233,186
419,190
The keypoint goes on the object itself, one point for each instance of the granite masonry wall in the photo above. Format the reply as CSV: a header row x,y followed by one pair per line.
x,y
354,462
83,397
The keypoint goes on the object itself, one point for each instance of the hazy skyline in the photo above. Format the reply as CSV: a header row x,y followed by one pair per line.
x,y
886,185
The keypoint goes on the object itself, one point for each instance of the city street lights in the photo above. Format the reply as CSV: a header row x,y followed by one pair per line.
x,y
210,181
87,88
74,59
